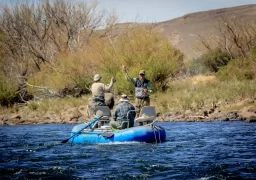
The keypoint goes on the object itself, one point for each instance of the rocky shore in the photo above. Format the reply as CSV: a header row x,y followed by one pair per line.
x,y
247,114
79,115
69,116
244,110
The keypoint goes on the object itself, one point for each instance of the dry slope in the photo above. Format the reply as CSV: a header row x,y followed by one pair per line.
x,y
183,31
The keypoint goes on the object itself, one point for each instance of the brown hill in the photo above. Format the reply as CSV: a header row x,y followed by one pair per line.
x,y
183,31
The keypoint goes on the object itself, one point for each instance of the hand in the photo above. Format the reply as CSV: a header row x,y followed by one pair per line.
x,y
124,67
145,90
113,79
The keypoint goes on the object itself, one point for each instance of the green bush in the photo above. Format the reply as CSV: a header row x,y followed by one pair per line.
x,y
142,48
33,106
238,70
196,67
7,92
209,62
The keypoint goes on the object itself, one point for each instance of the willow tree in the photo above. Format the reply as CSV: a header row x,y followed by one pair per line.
x,y
33,34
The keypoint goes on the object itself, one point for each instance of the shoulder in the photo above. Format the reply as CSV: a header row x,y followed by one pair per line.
x,y
99,84
131,106
96,84
119,105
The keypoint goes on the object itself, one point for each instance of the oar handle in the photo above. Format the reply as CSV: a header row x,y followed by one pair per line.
x,y
95,120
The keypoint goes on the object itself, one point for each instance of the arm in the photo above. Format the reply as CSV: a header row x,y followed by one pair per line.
x,y
109,87
115,113
149,87
133,113
128,78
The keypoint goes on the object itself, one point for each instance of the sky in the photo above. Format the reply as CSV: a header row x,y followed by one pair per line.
x,y
162,10
158,10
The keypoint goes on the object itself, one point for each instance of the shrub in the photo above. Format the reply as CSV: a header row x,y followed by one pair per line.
x,y
209,62
142,48
7,92
33,106
238,70
196,67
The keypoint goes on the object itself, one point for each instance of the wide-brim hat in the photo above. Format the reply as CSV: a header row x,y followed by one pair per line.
x,y
96,77
124,98
142,72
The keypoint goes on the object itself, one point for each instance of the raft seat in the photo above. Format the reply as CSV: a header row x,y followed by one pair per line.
x,y
124,125
147,115
105,118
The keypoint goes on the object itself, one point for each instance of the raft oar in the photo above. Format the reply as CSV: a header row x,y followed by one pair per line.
x,y
92,122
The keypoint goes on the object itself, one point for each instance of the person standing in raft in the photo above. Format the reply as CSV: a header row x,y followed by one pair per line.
x,y
121,112
142,89
98,90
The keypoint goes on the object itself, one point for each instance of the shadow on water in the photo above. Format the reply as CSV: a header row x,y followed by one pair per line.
x,y
220,150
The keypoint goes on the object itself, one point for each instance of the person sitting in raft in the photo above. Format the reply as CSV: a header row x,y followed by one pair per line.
x,y
142,89
120,113
98,90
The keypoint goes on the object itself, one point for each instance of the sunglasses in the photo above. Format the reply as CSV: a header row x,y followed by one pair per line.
x,y
142,74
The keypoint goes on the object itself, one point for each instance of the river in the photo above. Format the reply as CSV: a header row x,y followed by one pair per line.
x,y
216,150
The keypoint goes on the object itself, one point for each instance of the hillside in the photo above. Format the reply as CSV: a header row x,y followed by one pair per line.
x,y
183,31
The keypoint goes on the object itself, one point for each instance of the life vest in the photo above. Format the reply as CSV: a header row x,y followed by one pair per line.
x,y
139,88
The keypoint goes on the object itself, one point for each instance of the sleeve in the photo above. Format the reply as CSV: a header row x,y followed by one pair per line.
x,y
128,78
150,89
133,113
115,113
109,87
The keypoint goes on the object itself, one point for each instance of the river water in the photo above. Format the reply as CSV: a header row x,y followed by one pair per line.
x,y
216,150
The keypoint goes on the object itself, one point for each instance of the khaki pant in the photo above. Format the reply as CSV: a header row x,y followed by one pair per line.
x,y
139,103
114,124
92,103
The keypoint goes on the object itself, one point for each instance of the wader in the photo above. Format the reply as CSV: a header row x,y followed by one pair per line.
x,y
142,99
95,101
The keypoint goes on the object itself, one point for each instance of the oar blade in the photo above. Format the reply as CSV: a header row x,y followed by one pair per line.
x,y
65,141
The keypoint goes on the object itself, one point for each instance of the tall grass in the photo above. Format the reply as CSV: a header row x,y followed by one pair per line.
x,y
56,105
185,95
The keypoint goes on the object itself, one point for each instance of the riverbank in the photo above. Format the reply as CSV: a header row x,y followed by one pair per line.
x,y
192,99
244,111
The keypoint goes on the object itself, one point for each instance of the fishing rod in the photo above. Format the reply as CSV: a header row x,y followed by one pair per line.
x,y
115,54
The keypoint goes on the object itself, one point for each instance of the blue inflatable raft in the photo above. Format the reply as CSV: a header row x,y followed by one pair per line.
x,y
147,133
98,131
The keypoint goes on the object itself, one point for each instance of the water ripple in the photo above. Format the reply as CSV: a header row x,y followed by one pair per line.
x,y
220,150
